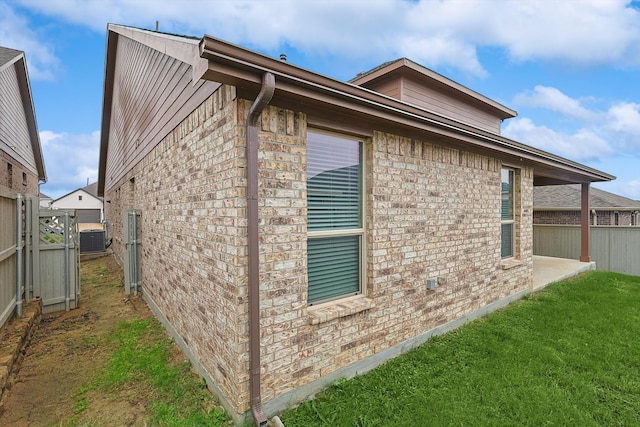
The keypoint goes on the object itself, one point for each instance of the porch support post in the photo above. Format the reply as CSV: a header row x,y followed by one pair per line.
x,y
585,229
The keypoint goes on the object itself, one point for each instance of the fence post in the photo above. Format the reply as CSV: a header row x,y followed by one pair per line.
x,y
28,229
134,252
35,251
66,261
19,260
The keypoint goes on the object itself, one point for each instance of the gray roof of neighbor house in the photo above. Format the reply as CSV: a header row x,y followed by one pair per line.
x,y
92,189
15,58
567,197
8,54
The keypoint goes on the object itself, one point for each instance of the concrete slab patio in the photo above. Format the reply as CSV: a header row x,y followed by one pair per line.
x,y
547,270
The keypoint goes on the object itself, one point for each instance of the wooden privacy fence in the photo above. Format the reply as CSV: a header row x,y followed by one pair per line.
x,y
56,259
612,248
8,253
39,256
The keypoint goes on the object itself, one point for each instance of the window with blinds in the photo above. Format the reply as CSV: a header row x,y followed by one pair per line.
x,y
507,216
334,216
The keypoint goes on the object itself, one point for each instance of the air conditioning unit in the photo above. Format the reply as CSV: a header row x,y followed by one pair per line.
x,y
92,241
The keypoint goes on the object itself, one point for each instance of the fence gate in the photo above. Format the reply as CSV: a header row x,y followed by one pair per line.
x,y
56,258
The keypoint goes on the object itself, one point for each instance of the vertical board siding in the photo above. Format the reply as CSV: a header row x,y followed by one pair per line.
x,y
612,248
14,131
432,100
48,261
7,255
152,94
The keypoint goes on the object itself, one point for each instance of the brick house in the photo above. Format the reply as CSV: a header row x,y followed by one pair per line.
x,y
560,204
297,229
21,161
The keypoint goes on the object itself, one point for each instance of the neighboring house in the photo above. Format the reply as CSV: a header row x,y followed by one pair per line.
x,y
296,229
86,203
21,162
45,201
560,204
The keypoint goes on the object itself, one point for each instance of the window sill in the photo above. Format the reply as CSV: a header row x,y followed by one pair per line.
x,y
510,263
342,308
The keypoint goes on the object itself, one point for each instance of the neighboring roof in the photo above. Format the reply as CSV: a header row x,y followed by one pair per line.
x,y
44,196
7,54
567,197
80,190
407,64
12,57
92,189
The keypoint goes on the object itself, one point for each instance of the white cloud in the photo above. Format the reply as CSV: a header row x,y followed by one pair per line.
x,y
553,99
70,159
15,33
619,124
587,32
625,117
581,145
432,32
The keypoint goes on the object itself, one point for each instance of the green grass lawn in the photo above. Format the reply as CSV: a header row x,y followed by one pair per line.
x,y
565,356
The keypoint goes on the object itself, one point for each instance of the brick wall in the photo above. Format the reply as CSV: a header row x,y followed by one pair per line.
x,y
430,212
21,180
190,189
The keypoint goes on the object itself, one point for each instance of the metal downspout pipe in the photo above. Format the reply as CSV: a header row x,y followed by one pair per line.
x,y
264,97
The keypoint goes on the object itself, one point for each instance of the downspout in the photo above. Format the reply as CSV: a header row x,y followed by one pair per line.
x,y
262,100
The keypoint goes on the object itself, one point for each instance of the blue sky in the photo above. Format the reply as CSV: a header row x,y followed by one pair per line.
x,y
571,69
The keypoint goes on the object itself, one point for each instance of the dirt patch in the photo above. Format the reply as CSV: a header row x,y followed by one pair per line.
x,y
67,352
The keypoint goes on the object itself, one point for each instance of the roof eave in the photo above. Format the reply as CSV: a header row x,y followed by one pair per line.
x,y
76,191
500,110
107,100
29,111
233,65
182,48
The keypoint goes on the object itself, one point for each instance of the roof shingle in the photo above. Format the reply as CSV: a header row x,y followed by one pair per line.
x,y
569,196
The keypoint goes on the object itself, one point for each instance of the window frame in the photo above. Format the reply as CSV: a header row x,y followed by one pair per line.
x,y
512,220
343,232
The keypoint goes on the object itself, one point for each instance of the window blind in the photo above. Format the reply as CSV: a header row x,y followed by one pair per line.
x,y
507,240
333,184
333,267
507,214
334,181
